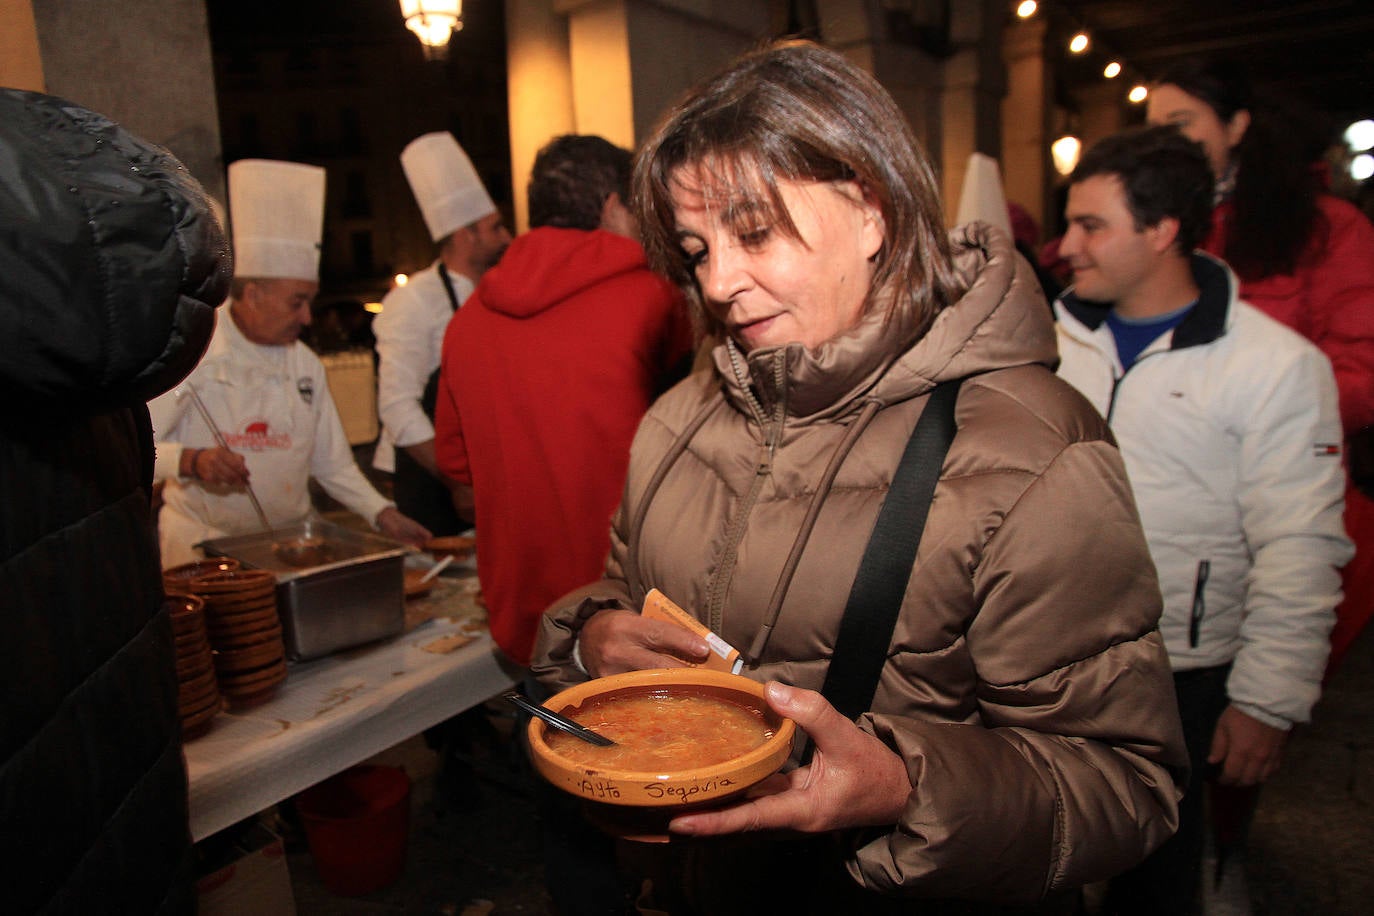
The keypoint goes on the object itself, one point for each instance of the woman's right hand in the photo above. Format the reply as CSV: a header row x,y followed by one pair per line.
x,y
616,641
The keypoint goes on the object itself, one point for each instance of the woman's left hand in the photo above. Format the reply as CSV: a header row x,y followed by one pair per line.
x,y
853,780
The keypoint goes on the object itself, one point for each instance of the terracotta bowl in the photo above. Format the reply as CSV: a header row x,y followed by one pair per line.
x,y
233,584
458,546
178,578
669,786
414,583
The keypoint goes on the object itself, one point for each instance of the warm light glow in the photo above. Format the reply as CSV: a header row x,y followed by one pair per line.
x,y
1362,167
1138,94
433,22
1360,136
402,279
1065,152
1026,9
1112,70
1079,43
373,307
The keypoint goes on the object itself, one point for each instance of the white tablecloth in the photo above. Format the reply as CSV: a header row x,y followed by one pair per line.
x,y
337,711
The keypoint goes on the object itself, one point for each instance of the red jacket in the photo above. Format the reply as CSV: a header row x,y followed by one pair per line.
x,y
1329,299
547,369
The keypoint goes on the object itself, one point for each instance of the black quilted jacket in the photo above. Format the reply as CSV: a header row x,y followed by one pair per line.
x,y
110,268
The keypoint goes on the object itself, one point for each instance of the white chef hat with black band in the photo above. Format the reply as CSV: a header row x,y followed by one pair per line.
x,y
445,184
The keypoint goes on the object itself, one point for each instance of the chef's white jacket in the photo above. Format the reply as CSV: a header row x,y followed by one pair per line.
x,y
273,406
410,342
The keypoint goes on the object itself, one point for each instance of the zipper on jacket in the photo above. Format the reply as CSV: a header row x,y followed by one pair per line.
x,y
1204,570
1117,380
771,429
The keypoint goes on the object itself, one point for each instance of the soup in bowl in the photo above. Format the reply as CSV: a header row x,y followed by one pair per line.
x,y
684,736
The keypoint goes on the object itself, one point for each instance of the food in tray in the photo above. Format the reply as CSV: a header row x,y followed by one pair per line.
x,y
304,552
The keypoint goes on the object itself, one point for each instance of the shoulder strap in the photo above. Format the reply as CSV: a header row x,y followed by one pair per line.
x,y
875,599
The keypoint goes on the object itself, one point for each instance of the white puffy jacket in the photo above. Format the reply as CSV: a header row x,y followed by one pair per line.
x,y
1231,435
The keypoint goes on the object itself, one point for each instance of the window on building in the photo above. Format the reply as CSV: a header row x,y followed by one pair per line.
x,y
361,243
350,131
356,202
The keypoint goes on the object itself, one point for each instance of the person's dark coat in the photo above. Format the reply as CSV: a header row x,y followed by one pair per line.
x,y
111,265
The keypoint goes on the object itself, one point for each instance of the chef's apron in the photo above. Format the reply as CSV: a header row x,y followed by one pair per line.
x,y
267,417
419,494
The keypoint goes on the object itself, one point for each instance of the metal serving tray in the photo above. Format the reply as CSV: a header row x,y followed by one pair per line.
x,y
355,595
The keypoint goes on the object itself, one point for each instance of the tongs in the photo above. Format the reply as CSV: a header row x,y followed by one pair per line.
x,y
560,722
224,444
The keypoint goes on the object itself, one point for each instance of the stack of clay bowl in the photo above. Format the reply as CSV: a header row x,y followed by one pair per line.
x,y
177,580
198,697
245,632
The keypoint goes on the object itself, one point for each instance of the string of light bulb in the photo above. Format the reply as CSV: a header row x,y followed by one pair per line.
x,y
1064,152
1081,41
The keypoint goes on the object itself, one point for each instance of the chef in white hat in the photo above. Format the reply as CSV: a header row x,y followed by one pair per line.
x,y
265,393
471,236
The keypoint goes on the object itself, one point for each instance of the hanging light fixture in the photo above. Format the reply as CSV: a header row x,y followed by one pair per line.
x,y
1079,43
1064,152
433,22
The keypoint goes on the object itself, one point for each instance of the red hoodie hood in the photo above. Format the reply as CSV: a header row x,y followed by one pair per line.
x,y
546,266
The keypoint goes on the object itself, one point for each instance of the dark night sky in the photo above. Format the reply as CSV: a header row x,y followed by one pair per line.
x,y
304,18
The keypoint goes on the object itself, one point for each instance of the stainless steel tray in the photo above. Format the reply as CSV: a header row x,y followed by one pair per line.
x,y
356,595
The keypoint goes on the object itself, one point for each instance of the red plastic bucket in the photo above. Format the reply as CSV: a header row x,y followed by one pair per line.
x,y
356,824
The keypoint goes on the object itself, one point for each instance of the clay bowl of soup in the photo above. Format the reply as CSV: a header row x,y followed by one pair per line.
x,y
684,737
458,546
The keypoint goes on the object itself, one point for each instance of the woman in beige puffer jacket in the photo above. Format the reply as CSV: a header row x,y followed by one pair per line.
x,y
1022,740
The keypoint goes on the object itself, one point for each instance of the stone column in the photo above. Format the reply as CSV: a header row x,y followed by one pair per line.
x,y
539,88
21,66
611,67
143,63
1027,174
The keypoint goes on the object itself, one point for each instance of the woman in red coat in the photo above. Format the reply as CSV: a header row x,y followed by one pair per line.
x,y
1303,256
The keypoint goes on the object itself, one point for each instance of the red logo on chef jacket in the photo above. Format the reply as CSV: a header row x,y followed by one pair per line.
x,y
257,436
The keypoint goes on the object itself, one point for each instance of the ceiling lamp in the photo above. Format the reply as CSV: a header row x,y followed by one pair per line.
x,y
1138,94
433,22
1360,136
1079,43
1362,167
1026,8
1064,152
1112,70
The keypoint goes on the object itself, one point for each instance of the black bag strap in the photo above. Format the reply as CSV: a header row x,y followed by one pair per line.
x,y
875,599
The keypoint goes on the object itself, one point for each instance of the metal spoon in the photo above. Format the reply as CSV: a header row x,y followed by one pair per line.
x,y
436,569
223,443
562,723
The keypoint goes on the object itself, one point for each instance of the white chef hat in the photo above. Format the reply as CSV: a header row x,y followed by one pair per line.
x,y
445,184
277,210
982,197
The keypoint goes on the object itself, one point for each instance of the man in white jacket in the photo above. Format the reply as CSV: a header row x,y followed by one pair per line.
x,y
264,390
1229,428
471,236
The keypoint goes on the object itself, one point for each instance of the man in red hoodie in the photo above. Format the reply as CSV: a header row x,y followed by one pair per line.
x,y
546,372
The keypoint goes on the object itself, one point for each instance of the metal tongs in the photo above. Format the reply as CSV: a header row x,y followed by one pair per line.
x,y
224,444
560,722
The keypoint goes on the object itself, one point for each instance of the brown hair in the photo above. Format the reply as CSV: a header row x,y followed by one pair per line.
x,y
796,111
